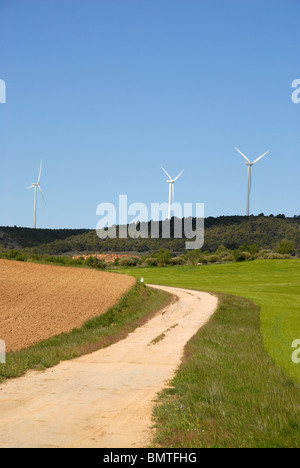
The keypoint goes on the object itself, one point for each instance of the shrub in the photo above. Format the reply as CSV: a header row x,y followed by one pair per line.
x,y
242,256
163,257
178,261
127,262
213,258
193,257
60,260
285,247
274,256
94,262
204,259
76,261
222,250
229,257
262,254
20,257
151,261
101,265
49,259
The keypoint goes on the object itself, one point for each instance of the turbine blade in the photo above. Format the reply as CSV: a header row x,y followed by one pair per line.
x,y
173,192
31,186
261,157
41,193
167,174
250,179
178,175
40,173
242,154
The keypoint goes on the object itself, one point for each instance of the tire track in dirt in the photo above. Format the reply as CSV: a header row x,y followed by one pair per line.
x,y
104,399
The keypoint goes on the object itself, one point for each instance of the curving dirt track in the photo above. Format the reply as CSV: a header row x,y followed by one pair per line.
x,y
104,399
40,301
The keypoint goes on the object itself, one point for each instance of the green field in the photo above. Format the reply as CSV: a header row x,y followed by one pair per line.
x,y
274,285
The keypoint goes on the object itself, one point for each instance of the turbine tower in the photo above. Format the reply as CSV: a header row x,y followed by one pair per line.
x,y
249,182
171,183
36,185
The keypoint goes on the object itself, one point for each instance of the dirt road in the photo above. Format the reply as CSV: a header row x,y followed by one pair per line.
x,y
104,399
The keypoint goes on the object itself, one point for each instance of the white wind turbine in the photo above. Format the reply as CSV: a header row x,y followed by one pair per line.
x,y
36,185
249,183
171,183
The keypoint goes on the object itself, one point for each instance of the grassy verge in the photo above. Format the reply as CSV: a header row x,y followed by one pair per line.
x,y
228,392
134,309
271,284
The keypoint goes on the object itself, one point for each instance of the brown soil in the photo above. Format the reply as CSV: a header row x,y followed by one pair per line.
x,y
40,301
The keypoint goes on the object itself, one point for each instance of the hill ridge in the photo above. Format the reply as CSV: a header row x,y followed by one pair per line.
x,y
230,231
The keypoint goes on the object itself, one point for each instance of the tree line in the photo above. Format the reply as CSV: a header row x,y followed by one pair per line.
x,y
231,232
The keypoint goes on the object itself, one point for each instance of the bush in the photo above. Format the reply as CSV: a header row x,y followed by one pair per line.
x,y
151,261
20,257
163,257
227,257
60,260
285,247
252,249
49,259
204,259
14,255
94,262
178,261
76,261
274,256
222,250
263,254
193,257
213,258
242,256
127,262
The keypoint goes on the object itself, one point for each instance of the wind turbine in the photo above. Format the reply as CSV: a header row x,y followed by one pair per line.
x,y
171,183
249,183
36,185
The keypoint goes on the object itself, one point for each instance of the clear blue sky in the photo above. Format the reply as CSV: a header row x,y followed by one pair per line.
x,y
106,92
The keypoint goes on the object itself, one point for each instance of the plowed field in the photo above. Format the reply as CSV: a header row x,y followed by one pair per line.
x,y
40,301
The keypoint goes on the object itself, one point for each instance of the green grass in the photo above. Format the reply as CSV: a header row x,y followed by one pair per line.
x,y
227,392
274,285
134,309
